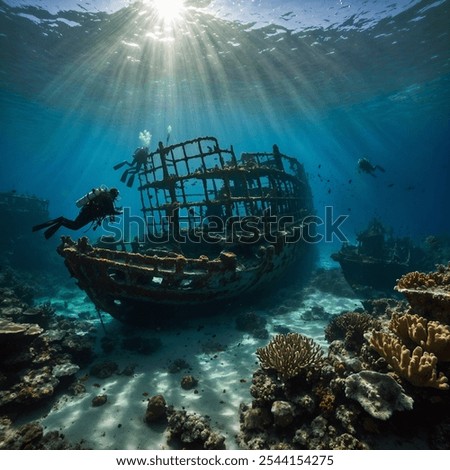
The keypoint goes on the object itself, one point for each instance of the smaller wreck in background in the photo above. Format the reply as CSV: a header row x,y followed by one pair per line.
x,y
18,247
378,260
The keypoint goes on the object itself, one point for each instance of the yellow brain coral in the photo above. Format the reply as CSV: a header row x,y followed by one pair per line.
x,y
290,354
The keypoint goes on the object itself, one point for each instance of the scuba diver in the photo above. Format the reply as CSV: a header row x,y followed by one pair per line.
x,y
365,166
95,206
140,157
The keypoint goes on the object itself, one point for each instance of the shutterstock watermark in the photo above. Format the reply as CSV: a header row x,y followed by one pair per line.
x,y
213,229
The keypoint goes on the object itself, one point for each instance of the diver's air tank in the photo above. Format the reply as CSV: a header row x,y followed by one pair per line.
x,y
90,195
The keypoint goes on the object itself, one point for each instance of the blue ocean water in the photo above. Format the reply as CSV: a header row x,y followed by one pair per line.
x,y
328,81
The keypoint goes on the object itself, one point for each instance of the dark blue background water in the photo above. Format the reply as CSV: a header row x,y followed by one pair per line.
x,y
328,82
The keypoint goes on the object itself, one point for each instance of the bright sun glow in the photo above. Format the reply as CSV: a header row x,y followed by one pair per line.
x,y
168,10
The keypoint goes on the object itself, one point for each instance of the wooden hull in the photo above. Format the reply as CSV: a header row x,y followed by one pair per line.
x,y
138,288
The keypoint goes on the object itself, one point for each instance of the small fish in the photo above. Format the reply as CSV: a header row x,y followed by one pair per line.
x,y
349,181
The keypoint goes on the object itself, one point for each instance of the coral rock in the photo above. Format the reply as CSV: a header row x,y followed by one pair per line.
x,y
65,370
156,409
379,394
99,400
256,419
188,382
264,388
350,327
193,432
283,413
17,334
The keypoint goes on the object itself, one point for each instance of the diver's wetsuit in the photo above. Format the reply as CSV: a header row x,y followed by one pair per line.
x,y
139,158
95,210
367,167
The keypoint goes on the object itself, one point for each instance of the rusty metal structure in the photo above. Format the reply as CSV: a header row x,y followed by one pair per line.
x,y
217,227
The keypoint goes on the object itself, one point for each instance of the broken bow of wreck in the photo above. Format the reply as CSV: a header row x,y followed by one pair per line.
x,y
217,227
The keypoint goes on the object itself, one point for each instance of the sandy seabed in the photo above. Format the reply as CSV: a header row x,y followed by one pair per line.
x,y
221,357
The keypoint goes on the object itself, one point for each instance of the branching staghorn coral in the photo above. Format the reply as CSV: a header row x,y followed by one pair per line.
x,y
290,354
432,336
418,367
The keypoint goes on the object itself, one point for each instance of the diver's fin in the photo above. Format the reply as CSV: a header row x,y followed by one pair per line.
x,y
44,225
380,168
119,165
123,178
52,230
131,181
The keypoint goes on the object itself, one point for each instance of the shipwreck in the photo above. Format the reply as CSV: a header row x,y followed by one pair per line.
x,y
18,248
217,227
378,260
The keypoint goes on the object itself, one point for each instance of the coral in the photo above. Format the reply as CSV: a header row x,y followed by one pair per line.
x,y
99,400
428,294
31,437
290,354
326,399
418,280
432,336
79,347
156,409
378,307
348,417
320,435
188,382
15,335
418,367
77,388
193,432
347,442
33,386
312,435
255,418
35,359
350,327
264,389
283,413
65,370
379,394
